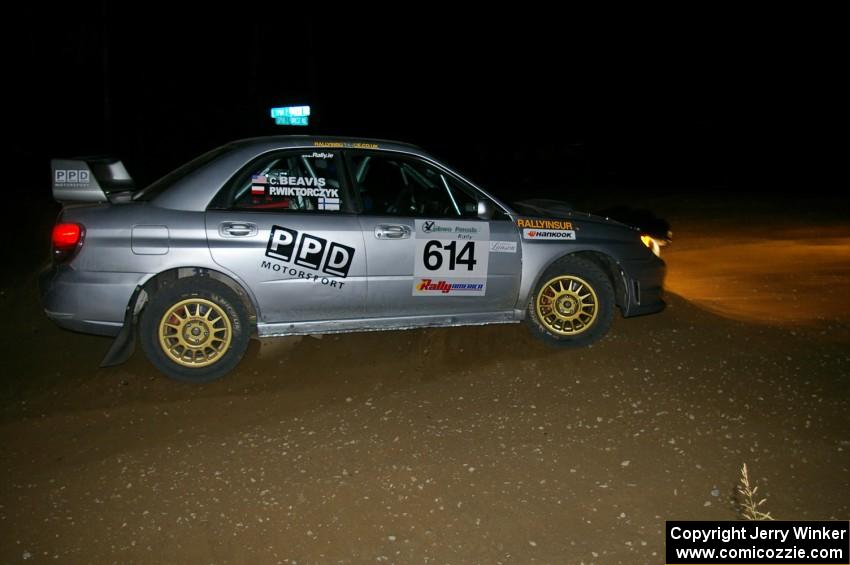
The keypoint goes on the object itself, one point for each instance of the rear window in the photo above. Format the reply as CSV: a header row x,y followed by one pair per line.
x,y
159,186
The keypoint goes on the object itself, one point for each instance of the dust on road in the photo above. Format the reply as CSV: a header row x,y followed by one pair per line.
x,y
788,276
451,445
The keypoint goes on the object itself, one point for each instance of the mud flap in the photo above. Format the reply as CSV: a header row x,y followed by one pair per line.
x,y
125,342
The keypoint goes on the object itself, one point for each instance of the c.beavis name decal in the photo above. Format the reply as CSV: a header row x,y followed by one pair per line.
x,y
296,181
310,252
281,185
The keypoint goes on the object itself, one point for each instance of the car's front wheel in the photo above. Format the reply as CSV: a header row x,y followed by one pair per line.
x,y
195,330
573,304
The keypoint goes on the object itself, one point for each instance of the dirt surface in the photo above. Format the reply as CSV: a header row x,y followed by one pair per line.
x,y
469,445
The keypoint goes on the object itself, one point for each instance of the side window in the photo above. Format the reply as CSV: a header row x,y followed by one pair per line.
x,y
402,186
298,181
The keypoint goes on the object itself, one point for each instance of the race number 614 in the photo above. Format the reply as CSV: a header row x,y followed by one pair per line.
x,y
435,252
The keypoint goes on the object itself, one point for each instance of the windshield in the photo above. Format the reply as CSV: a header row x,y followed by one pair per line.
x,y
158,187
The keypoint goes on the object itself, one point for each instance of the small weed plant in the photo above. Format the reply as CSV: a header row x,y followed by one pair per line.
x,y
749,505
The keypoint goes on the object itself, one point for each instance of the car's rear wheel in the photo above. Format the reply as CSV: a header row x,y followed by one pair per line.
x,y
573,304
195,330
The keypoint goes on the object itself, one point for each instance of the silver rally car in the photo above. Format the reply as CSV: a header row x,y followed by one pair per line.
x,y
294,235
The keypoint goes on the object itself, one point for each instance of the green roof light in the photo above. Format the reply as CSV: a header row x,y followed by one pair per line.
x,y
292,121
291,115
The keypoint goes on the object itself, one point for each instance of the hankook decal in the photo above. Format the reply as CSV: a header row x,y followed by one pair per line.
x,y
565,235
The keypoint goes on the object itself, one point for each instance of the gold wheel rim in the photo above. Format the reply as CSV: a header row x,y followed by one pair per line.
x,y
195,333
567,305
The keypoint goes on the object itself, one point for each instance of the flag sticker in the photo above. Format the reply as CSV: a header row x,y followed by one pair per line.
x,y
258,185
326,203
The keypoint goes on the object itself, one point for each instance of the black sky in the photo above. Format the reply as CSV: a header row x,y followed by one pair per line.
x,y
666,100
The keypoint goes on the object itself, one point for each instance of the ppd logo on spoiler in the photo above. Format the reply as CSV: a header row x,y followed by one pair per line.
x,y
309,251
71,176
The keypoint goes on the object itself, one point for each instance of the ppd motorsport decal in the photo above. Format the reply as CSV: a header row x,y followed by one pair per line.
x,y
308,252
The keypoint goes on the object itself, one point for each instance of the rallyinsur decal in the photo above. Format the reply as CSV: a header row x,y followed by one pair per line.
x,y
544,229
539,223
451,258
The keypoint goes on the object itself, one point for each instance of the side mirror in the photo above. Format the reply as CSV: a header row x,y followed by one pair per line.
x,y
485,209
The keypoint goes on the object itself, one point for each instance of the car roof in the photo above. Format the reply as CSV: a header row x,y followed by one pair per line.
x,y
327,141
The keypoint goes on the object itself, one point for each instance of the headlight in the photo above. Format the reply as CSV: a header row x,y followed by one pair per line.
x,y
653,244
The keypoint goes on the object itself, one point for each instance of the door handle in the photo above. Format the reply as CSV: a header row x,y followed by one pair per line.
x,y
237,229
392,231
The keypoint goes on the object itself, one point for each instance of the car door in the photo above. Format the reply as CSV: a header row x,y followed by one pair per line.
x,y
428,251
284,225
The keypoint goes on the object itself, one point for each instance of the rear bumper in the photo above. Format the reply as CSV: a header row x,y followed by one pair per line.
x,y
87,302
644,280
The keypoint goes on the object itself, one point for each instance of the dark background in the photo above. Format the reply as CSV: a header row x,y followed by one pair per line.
x,y
527,101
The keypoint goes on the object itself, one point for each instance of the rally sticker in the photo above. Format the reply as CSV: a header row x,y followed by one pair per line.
x,y
258,185
300,249
350,144
451,258
328,203
538,223
279,185
543,229
312,187
71,178
565,235
440,286
503,247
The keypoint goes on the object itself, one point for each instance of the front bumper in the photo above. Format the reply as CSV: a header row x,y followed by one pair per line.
x,y
644,281
87,302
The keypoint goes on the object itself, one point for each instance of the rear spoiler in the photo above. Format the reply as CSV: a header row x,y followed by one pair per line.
x,y
90,179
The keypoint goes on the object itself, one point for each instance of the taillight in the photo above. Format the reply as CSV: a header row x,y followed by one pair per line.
x,y
67,240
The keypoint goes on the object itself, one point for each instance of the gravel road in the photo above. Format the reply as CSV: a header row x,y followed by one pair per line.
x,y
468,445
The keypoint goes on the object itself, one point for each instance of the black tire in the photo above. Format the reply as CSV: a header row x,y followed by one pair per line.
x,y
210,309
563,318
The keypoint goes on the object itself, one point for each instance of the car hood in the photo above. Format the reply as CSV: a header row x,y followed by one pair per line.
x,y
548,208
